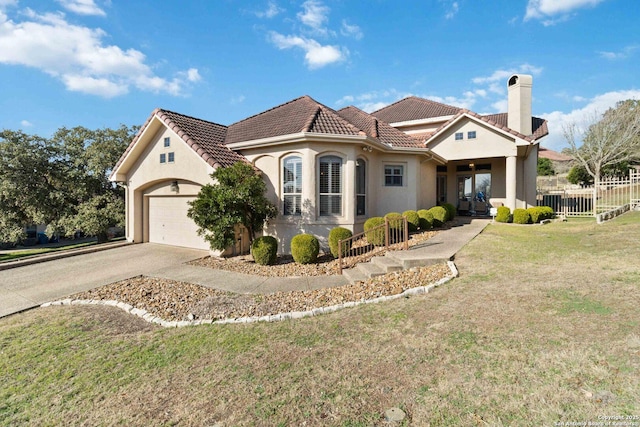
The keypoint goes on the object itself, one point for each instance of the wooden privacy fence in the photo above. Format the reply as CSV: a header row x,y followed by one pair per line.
x,y
609,195
392,235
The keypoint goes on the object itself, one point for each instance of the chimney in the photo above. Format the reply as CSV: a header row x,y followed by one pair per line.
x,y
519,114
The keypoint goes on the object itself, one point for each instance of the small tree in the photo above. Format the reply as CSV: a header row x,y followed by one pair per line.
x,y
236,197
545,167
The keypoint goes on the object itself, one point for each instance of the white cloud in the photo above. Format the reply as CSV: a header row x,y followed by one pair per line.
x,y
78,57
82,7
502,75
26,123
237,100
452,10
624,53
315,16
557,120
555,11
351,30
271,11
316,55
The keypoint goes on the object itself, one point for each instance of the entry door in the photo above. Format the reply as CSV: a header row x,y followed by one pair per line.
x,y
465,187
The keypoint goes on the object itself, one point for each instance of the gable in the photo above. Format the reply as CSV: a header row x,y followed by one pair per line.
x,y
488,141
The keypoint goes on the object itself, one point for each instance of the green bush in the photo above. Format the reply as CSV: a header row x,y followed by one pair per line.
x,y
547,213
426,219
335,235
521,216
439,215
413,219
451,211
305,248
375,237
535,213
396,221
504,214
265,250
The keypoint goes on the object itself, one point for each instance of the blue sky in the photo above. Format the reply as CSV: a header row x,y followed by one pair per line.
x,y
100,63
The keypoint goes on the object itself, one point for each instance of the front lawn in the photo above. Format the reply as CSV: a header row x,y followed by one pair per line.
x,y
542,327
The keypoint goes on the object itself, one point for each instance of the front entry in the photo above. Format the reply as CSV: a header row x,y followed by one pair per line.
x,y
474,191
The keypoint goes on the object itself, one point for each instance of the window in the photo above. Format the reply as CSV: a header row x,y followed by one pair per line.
x,y
163,158
167,142
172,157
459,136
471,134
393,175
361,187
292,186
330,185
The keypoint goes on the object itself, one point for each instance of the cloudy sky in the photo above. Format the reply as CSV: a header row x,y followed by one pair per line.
x,y
102,63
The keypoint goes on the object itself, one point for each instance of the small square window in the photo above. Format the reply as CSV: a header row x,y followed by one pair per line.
x,y
459,136
172,157
163,158
393,175
167,142
471,134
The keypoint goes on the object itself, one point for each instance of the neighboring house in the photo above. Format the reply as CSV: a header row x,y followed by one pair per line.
x,y
326,168
561,162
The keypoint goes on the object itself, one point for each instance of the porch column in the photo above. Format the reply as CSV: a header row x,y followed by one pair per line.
x,y
511,183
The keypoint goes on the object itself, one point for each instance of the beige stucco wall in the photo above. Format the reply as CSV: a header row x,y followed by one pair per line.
x,y
488,143
147,176
379,199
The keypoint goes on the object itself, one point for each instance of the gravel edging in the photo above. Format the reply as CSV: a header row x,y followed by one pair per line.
x,y
151,318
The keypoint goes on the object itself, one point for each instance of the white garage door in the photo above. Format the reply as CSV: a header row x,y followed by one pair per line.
x,y
169,224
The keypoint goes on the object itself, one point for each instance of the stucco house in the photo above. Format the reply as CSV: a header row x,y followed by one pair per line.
x,y
326,168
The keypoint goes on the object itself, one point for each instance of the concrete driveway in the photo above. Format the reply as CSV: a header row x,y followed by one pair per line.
x,y
29,286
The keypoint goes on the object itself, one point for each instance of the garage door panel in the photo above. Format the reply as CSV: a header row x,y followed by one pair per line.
x,y
170,225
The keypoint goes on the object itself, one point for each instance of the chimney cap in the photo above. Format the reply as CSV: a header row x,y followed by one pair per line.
x,y
522,79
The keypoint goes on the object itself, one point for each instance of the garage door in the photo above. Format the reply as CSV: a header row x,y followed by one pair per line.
x,y
169,224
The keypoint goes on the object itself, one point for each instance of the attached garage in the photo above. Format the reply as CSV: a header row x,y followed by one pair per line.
x,y
170,225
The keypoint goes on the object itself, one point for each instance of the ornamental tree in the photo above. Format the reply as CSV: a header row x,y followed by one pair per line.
x,y
236,197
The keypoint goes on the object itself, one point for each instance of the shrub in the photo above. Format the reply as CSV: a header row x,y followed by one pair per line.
x,y
439,215
265,250
413,219
375,237
451,211
521,216
396,221
305,248
504,214
426,219
547,212
335,235
535,213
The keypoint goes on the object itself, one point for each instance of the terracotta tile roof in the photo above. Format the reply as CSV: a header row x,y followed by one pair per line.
x,y
414,108
376,128
538,125
302,114
553,155
205,138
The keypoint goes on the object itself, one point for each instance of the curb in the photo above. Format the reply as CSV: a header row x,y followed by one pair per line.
x,y
269,318
35,259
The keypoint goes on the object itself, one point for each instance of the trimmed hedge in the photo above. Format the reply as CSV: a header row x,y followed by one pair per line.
x,y
265,250
440,215
540,213
335,235
451,211
305,248
375,237
413,219
504,214
396,221
426,219
521,216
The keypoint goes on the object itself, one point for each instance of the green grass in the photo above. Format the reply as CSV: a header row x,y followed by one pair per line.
x,y
542,321
40,251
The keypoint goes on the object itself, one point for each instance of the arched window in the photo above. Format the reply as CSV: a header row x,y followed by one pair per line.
x,y
292,186
361,187
330,185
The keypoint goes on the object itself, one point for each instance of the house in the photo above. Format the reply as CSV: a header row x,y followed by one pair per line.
x,y
326,168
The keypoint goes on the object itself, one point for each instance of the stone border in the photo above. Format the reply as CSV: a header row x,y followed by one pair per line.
x,y
270,318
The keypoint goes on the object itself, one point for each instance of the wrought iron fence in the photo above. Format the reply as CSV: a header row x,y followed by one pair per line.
x,y
392,235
